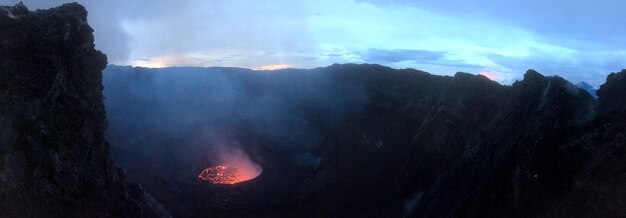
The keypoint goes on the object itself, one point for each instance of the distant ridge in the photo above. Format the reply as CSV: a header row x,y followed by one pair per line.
x,y
585,86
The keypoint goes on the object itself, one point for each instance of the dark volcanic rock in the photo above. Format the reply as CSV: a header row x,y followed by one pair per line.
x,y
611,97
412,144
54,160
513,167
546,154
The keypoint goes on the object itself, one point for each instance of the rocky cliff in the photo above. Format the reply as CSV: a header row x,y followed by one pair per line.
x,y
516,163
54,159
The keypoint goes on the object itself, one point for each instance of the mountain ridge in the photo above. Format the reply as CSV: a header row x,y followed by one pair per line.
x,y
590,89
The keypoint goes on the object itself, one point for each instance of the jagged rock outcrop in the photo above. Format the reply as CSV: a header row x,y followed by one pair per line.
x,y
546,155
611,97
513,161
54,159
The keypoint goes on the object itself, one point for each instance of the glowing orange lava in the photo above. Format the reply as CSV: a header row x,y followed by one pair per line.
x,y
227,174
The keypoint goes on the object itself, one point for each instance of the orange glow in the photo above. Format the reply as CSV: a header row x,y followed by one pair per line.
x,y
186,59
228,174
489,75
193,60
149,63
235,167
271,67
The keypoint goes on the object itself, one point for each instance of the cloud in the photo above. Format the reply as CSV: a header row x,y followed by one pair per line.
x,y
257,33
581,40
398,55
590,67
423,58
592,20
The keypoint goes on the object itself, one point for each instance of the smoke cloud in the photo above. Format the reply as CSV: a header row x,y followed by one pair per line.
x,y
182,120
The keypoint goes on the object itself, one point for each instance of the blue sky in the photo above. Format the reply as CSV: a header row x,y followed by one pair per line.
x,y
578,40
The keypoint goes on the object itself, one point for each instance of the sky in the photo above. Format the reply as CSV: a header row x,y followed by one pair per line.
x,y
575,39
